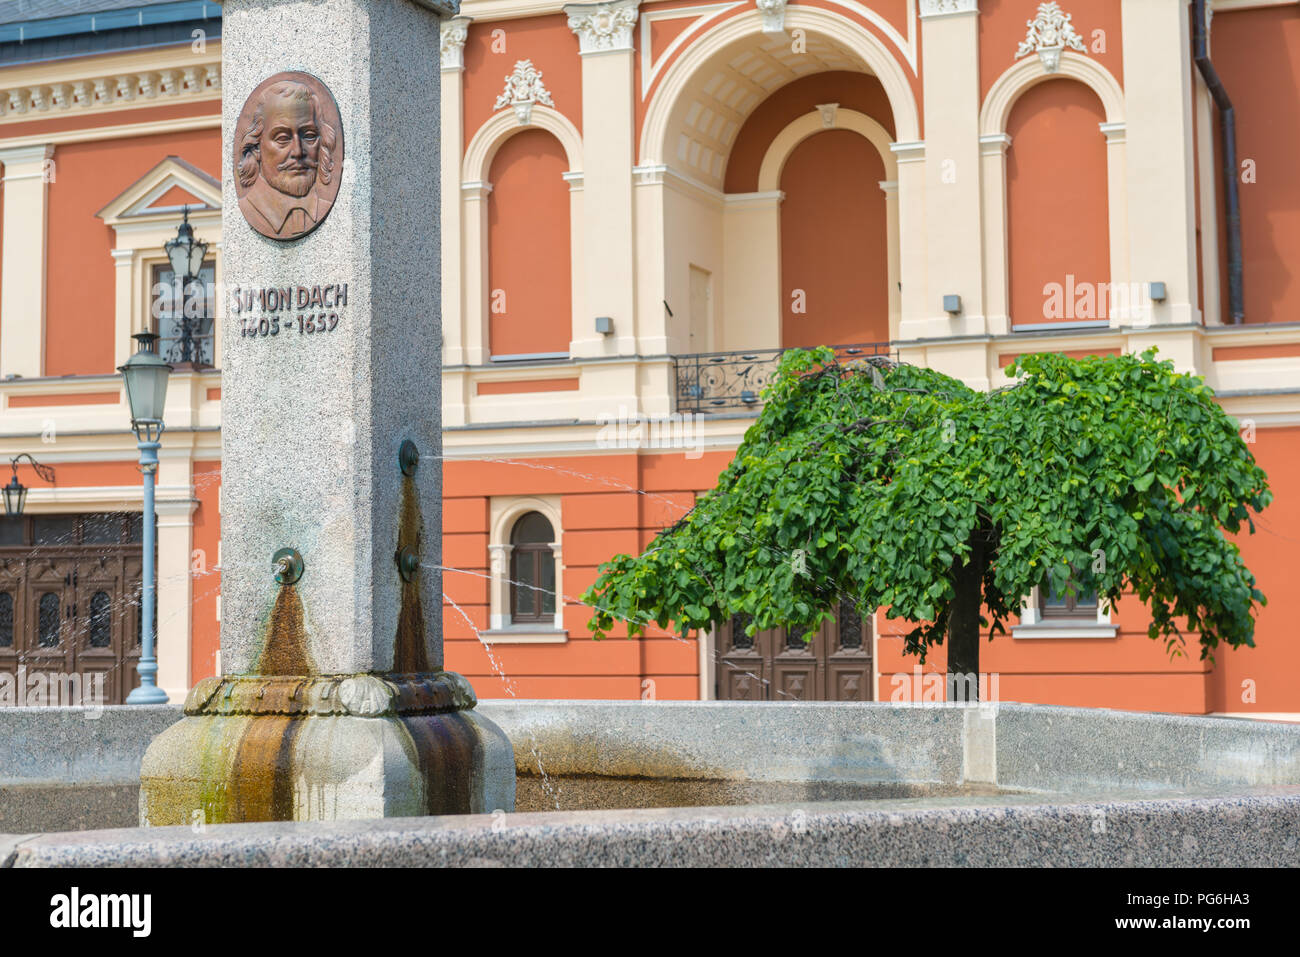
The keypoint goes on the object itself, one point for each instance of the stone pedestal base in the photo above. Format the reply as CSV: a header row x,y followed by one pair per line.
x,y
326,747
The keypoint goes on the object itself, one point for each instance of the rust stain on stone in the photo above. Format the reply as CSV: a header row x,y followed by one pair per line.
x,y
261,775
262,783
285,649
410,649
446,747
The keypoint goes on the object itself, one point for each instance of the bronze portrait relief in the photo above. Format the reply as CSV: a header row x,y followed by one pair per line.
x,y
288,155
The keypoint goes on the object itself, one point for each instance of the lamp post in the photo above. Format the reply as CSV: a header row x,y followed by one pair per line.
x,y
186,255
145,375
15,492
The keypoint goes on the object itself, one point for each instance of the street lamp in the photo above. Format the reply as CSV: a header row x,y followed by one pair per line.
x,y
145,375
186,255
16,492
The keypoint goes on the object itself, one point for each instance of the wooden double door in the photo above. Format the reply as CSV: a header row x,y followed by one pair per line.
x,y
832,663
69,612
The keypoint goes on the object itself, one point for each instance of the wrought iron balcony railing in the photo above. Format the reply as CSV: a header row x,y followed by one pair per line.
x,y
725,381
197,350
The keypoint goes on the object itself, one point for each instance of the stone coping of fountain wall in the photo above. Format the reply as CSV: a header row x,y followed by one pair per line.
x,y
1230,831
1096,787
1032,747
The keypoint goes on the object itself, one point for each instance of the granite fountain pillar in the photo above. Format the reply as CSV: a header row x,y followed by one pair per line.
x,y
334,702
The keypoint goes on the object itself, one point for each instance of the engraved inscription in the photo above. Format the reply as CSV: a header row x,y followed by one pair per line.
x,y
269,311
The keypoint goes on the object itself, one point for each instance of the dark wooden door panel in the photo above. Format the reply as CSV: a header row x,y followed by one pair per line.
x,y
74,614
833,663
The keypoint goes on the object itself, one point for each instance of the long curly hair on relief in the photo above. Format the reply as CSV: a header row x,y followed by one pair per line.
x,y
250,150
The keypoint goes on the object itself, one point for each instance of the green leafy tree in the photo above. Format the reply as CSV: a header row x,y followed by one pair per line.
x,y
901,488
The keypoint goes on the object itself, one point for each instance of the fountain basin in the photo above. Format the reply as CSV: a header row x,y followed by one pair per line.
x,y
805,784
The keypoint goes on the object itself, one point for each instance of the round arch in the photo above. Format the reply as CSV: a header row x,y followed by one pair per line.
x,y
852,37
1029,72
810,124
487,140
994,113
509,512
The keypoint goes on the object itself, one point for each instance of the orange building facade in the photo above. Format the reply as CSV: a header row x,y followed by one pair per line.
x,y
642,203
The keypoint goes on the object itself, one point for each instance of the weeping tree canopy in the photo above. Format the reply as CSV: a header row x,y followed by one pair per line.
x,y
900,488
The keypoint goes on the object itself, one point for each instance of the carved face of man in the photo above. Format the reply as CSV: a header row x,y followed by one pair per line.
x,y
290,144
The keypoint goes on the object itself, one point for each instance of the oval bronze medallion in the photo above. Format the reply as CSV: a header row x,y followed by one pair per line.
x,y
288,160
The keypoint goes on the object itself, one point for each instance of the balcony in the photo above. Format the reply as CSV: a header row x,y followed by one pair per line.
x,y
734,381
193,353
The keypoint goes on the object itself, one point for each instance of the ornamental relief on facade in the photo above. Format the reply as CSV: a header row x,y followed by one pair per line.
x,y
773,12
603,26
524,88
451,46
1050,32
110,90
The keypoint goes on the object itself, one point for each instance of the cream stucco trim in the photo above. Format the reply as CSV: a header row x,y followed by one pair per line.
x,y
677,79
1209,178
522,636
810,124
175,589
707,663
97,133
751,271
471,311
994,113
139,232
452,210
650,66
953,213
907,45
1015,80
607,221
1161,177
27,175
59,87
784,143
487,139
503,513
1032,624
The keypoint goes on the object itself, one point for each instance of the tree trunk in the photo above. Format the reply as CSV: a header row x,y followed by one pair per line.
x,y
964,623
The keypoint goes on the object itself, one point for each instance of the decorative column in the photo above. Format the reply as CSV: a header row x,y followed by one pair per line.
x,y
557,557
28,171
1117,215
125,268
951,83
890,188
751,271
175,588
499,582
997,273
334,703
604,33
1161,179
914,304
452,60
474,256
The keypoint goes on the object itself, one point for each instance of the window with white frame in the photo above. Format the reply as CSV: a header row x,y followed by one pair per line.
x,y
525,570
532,571
1074,612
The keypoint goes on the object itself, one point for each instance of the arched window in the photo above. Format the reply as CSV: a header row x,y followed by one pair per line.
x,y
532,570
